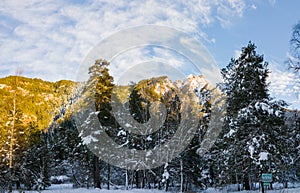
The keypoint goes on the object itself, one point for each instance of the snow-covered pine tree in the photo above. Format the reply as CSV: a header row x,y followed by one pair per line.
x,y
14,145
252,134
291,170
70,159
16,134
196,168
34,165
98,91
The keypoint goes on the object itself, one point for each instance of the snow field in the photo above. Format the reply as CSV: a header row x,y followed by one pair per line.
x,y
67,188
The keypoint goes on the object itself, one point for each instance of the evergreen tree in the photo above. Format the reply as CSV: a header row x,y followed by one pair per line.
x,y
252,134
104,86
97,92
34,165
17,134
290,169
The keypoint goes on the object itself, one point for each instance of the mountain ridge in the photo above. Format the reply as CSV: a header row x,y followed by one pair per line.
x,y
40,100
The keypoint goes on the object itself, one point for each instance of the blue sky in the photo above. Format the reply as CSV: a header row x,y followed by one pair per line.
x,y
49,39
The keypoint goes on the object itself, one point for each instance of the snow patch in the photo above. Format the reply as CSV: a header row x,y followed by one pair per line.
x,y
128,125
121,132
263,156
88,139
251,150
230,133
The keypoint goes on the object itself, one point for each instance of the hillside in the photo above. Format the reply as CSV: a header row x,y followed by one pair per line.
x,y
38,101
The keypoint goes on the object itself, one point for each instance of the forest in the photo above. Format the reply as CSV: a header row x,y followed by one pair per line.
x,y
46,137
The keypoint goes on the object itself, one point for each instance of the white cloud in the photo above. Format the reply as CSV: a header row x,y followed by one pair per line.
x,y
282,82
237,6
152,64
229,9
237,53
272,2
49,39
284,85
253,6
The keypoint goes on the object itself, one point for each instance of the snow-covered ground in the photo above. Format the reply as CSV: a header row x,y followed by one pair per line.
x,y
294,190
67,188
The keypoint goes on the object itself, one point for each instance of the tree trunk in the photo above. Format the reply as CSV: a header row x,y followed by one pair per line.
x,y
246,182
181,175
149,184
126,180
167,185
12,142
159,184
10,181
108,176
132,177
186,185
237,181
262,187
144,179
97,181
137,179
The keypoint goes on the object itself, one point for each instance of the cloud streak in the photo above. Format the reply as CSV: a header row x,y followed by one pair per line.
x,y
284,85
49,39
